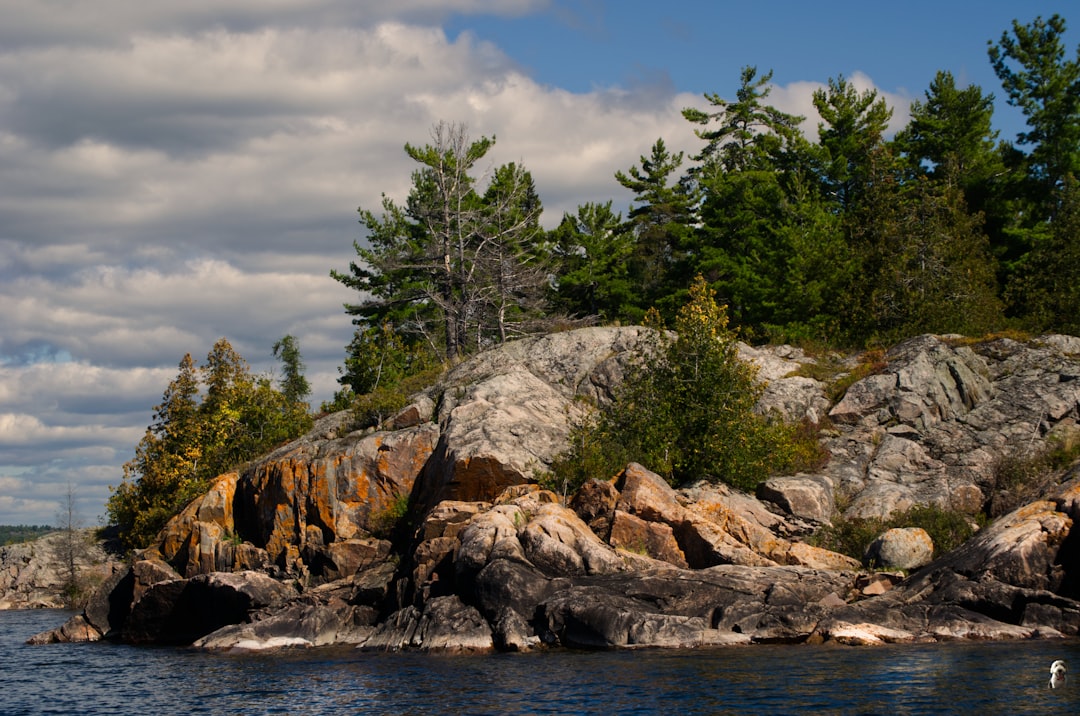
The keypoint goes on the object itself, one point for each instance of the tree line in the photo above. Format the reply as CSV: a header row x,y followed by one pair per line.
x,y
847,238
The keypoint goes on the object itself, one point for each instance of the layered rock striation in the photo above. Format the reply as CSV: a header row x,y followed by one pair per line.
x,y
294,550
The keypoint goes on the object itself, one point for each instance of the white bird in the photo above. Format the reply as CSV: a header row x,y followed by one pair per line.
x,y
1057,674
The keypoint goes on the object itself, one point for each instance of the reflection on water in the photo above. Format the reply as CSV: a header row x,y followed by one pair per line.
x,y
980,678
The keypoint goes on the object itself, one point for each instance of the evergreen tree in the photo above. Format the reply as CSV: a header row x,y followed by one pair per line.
x,y
750,135
432,268
294,386
592,252
380,356
660,222
1047,288
1038,79
515,263
766,242
924,263
1045,85
189,442
853,127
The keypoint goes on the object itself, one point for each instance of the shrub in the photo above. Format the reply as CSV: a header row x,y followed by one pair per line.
x,y
685,410
1021,478
799,447
383,523
849,536
948,530
371,409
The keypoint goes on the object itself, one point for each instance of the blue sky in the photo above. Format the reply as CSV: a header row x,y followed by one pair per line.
x,y
700,46
178,172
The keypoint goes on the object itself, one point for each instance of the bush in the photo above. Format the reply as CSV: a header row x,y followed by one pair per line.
x,y
1028,476
684,411
383,523
948,530
371,409
849,536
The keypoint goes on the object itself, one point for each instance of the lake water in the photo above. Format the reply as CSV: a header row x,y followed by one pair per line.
x,y
982,678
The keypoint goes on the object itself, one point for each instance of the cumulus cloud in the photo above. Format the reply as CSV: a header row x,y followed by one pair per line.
x,y
798,98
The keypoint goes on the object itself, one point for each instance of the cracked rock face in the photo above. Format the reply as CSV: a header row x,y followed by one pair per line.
x,y
931,426
493,562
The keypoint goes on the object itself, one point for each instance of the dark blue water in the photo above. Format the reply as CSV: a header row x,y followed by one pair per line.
x,y
983,678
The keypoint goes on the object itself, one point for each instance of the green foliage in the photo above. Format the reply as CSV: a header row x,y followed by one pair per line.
x,y
851,239
925,265
948,530
848,536
950,135
452,263
372,408
685,412
382,356
799,447
294,386
592,250
13,534
1037,77
1027,476
595,452
751,134
192,441
382,371
1047,283
385,522
851,132
660,223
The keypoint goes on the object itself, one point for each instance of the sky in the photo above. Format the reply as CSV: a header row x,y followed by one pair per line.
x,y
174,173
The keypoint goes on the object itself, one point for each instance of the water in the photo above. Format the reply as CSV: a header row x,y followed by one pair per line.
x,y
90,679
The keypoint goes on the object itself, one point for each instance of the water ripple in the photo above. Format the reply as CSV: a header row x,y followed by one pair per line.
x,y
961,678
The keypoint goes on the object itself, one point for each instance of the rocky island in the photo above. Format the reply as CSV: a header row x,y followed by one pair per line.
x,y
299,548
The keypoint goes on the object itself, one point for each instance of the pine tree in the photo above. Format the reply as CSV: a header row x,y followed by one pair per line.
x,y
660,222
592,251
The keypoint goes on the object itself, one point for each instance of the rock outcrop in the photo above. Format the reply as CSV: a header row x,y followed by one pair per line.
x,y
37,574
294,550
931,426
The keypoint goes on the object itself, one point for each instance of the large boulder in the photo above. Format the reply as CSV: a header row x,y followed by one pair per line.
x,y
807,496
506,413
900,548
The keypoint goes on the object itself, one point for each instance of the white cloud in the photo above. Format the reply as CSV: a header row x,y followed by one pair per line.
x,y
110,22
798,98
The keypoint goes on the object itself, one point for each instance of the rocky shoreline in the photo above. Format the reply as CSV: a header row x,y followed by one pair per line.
x,y
289,552
35,574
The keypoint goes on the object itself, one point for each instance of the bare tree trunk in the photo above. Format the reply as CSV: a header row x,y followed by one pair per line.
x,y
72,548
